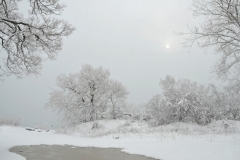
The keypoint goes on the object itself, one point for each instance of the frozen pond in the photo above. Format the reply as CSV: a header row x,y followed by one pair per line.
x,y
57,152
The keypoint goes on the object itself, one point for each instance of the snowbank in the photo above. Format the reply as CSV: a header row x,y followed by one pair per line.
x,y
164,146
136,129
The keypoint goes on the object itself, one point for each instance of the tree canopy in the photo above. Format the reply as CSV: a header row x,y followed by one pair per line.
x,y
27,41
220,29
87,96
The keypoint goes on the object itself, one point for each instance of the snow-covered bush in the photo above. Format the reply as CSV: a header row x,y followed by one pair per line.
x,y
97,125
129,128
159,111
127,123
181,101
42,126
186,101
7,121
135,112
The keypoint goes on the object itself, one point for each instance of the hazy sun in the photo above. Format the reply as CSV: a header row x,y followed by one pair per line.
x,y
167,46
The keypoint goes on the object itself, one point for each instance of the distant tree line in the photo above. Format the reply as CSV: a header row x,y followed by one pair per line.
x,y
92,95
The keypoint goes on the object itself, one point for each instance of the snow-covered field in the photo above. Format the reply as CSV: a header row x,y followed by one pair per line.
x,y
216,141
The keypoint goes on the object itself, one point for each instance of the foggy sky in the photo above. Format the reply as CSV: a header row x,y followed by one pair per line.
x,y
129,38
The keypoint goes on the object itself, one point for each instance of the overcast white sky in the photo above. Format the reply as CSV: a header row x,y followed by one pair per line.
x,y
128,37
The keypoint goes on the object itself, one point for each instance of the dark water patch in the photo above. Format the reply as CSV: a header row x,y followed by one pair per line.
x,y
57,152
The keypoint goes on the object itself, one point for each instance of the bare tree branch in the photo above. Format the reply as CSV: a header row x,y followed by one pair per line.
x,y
221,29
28,41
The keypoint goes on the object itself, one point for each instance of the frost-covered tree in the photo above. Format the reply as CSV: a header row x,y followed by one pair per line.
x,y
28,40
187,100
181,100
117,96
220,29
87,96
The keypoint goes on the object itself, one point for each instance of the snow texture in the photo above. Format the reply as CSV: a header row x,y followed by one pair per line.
x,y
165,146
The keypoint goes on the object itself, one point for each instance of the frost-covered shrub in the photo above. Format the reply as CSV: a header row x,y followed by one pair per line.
x,y
134,112
141,117
127,123
232,113
158,109
97,125
43,126
181,101
153,123
186,101
137,117
7,121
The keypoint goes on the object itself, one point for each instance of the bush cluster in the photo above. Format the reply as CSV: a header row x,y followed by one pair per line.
x,y
10,121
186,101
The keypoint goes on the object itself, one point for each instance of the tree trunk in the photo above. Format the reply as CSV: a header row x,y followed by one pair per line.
x,y
93,116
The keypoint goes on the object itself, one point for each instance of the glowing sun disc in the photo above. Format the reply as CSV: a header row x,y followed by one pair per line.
x,y
167,46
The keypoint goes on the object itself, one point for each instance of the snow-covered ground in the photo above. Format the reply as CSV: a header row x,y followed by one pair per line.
x,y
217,141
